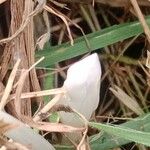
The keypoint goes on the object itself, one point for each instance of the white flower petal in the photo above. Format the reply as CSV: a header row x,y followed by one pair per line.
x,y
83,86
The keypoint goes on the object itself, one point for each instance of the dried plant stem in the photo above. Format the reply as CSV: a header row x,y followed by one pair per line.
x,y
118,57
58,27
47,107
94,17
9,85
19,89
39,93
23,24
64,20
87,17
141,18
21,82
136,86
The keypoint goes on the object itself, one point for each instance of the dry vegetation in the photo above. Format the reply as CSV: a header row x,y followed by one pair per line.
x,y
25,26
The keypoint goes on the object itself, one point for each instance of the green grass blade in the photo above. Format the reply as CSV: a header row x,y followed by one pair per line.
x,y
137,130
105,141
96,40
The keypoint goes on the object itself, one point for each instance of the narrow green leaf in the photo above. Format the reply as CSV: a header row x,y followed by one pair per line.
x,y
124,132
105,141
96,40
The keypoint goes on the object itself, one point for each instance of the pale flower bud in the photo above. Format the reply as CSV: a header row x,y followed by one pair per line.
x,y
83,87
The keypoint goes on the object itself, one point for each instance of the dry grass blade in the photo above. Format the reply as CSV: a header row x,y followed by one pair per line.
x,y
55,127
9,85
24,23
148,60
127,100
35,63
19,89
58,27
47,107
141,18
64,20
137,88
148,66
46,36
20,86
39,93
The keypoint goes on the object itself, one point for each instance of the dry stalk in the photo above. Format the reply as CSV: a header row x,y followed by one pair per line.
x,y
58,27
47,107
19,89
118,57
49,9
5,60
55,127
23,45
148,66
24,23
141,18
38,93
20,86
46,36
30,46
65,19
9,85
